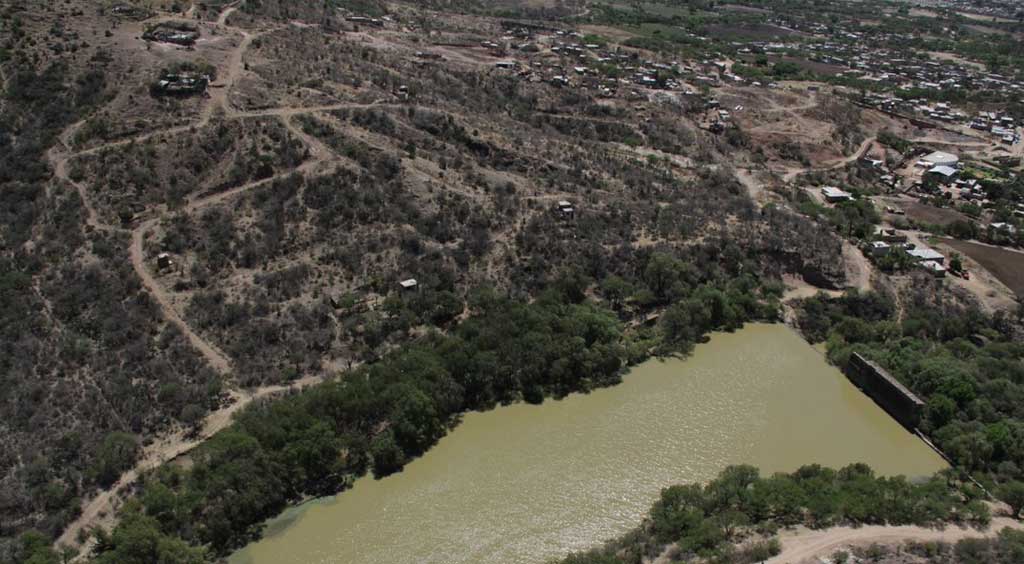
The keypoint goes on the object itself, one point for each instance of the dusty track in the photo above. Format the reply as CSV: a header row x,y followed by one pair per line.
x,y
791,174
804,546
218,360
101,510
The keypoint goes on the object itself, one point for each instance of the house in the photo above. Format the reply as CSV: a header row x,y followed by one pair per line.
x,y
873,163
163,261
409,284
879,248
934,268
943,173
363,20
890,235
924,254
505,64
565,209
181,84
183,36
1003,227
940,158
834,195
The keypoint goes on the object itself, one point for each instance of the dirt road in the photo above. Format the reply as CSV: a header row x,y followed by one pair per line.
x,y
839,163
803,546
100,510
218,360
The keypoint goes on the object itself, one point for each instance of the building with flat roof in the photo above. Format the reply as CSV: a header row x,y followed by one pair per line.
x,y
879,248
924,254
941,158
833,195
943,173
934,268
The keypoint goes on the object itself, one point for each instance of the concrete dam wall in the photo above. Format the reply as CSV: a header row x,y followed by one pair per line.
x,y
887,392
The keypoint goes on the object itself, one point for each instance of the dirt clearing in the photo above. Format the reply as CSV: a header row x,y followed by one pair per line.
x,y
804,545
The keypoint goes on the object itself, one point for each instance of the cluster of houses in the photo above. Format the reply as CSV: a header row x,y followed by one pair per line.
x,y
891,240
1007,9
895,69
1001,125
886,178
565,59
591,66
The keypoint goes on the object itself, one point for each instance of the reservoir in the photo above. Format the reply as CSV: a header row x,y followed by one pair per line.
x,y
526,483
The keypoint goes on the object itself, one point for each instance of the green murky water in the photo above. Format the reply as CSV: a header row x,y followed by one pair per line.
x,y
523,484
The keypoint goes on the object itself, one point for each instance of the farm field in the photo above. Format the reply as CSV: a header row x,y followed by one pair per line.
x,y
1007,266
924,213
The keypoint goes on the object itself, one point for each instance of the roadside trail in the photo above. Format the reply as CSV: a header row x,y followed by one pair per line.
x,y
100,511
804,545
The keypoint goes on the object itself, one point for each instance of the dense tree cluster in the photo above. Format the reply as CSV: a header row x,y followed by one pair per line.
x,y
964,364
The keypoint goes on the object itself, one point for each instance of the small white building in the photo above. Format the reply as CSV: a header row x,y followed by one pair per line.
x,y
409,284
936,269
879,248
1004,227
834,195
924,254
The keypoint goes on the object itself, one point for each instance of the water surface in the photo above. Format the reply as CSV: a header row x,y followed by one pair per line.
x,y
526,483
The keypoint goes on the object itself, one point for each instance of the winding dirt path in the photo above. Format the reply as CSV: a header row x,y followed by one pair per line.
x,y
217,359
100,510
837,164
804,545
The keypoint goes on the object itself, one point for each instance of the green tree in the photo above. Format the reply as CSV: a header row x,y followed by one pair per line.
x,y
940,410
387,457
956,263
137,539
615,290
1012,493
116,454
35,549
